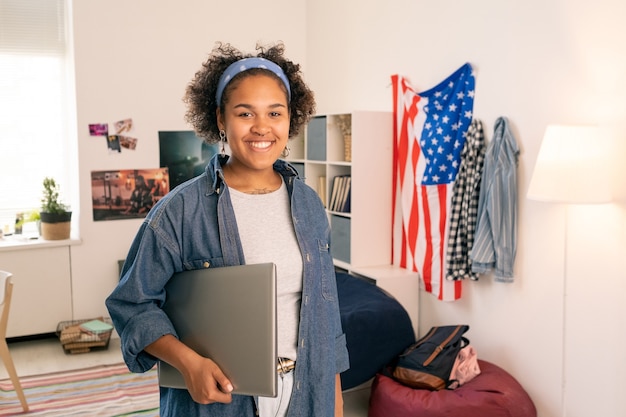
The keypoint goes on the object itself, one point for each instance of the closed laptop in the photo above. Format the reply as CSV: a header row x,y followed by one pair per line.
x,y
227,314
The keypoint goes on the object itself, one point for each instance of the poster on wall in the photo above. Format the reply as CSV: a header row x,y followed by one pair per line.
x,y
184,154
127,194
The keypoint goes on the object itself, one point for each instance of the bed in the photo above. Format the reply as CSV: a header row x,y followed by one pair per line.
x,y
376,325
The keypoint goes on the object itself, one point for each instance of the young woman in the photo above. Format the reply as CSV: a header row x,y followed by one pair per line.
x,y
247,207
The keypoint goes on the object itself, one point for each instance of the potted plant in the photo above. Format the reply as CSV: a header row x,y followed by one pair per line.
x,y
55,216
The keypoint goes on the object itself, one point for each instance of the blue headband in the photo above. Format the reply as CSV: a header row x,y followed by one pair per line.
x,y
246,64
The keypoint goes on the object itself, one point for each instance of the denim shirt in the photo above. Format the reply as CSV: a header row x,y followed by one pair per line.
x,y
194,227
495,239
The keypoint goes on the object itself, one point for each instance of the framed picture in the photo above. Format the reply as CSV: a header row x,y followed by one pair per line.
x,y
127,194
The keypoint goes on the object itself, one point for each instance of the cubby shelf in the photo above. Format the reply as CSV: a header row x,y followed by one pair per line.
x,y
361,235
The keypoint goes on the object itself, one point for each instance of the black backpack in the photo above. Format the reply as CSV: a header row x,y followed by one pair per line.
x,y
427,363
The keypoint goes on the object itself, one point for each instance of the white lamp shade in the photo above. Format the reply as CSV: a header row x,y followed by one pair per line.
x,y
573,166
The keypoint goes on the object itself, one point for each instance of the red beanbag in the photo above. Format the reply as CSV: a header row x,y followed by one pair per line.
x,y
493,393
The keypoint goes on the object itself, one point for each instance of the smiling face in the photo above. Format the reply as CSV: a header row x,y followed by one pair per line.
x,y
256,122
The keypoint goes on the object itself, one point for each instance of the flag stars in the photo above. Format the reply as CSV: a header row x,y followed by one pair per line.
x,y
443,130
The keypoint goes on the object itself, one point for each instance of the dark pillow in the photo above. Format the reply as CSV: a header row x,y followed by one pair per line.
x,y
376,325
493,393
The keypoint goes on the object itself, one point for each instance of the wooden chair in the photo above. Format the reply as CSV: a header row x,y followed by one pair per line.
x,y
6,289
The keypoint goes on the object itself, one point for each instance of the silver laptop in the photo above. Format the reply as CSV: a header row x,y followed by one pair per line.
x,y
227,314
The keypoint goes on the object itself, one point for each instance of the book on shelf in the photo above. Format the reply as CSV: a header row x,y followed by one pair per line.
x,y
345,201
321,189
333,194
340,196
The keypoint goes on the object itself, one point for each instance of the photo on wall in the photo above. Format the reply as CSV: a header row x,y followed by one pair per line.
x,y
127,194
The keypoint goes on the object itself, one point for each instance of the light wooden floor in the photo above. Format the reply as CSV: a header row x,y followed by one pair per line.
x,y
42,356
46,355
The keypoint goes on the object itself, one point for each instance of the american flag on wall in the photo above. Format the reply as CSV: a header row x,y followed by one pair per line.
x,y
429,131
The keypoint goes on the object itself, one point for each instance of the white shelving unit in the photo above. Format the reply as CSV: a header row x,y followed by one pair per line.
x,y
361,238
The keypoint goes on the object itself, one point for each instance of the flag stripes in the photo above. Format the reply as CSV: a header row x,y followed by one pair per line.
x,y
429,132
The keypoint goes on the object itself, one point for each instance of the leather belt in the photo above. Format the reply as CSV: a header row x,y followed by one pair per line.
x,y
285,365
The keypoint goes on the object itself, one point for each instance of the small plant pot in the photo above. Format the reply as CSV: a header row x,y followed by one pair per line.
x,y
55,226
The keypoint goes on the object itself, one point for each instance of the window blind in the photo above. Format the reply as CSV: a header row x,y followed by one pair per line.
x,y
34,135
32,26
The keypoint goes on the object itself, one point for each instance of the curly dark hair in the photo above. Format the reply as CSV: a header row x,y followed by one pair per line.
x,y
201,91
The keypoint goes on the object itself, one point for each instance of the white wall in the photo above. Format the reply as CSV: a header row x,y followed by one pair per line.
x,y
134,60
537,62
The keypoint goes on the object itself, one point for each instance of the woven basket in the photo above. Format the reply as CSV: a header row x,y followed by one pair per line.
x,y
347,148
55,231
76,340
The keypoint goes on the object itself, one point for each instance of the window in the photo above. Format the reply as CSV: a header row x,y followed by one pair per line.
x,y
36,140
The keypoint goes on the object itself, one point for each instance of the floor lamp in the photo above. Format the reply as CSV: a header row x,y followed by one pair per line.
x,y
572,168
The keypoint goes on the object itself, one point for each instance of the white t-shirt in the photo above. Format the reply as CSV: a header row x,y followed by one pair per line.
x,y
267,235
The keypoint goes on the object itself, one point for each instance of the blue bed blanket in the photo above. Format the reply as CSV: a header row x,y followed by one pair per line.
x,y
376,325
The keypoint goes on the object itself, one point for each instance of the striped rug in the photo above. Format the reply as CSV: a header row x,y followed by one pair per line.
x,y
102,391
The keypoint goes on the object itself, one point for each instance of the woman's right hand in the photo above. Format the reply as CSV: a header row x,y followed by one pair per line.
x,y
205,380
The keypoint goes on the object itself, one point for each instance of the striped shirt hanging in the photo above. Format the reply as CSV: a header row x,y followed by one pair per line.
x,y
495,242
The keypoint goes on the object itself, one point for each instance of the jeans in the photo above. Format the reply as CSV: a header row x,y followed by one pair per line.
x,y
277,407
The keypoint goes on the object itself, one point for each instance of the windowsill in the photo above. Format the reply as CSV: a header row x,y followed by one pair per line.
x,y
20,242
